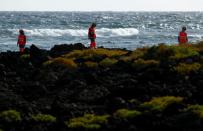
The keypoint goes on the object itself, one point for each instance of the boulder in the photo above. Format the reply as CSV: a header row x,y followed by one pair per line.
x,y
38,56
59,50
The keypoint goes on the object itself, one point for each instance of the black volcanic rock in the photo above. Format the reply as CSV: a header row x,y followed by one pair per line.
x,y
38,56
59,50
30,88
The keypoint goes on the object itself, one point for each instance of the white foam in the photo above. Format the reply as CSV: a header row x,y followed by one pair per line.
x,y
102,32
107,17
198,36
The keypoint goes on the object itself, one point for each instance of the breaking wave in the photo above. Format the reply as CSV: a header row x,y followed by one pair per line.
x,y
103,32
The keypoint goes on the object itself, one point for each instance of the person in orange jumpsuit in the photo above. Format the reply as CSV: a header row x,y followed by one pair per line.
x,y
21,41
182,38
92,35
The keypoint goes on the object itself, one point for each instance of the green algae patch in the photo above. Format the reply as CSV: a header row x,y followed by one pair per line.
x,y
196,109
10,116
125,113
136,54
181,52
108,62
91,64
43,118
183,68
142,64
96,52
88,121
69,63
173,52
161,103
25,56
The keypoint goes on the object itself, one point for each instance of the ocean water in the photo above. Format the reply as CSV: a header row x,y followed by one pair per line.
x,y
128,30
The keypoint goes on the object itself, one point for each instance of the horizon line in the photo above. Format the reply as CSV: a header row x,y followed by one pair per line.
x,y
101,11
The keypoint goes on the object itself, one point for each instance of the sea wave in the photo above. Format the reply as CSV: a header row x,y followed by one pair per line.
x,y
102,32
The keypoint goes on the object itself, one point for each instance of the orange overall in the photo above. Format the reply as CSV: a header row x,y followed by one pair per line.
x,y
21,42
92,37
182,39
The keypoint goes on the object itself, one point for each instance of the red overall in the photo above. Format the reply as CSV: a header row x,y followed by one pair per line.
x,y
21,42
92,37
182,39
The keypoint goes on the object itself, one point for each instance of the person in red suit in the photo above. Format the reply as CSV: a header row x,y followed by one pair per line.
x,y
92,35
21,41
182,38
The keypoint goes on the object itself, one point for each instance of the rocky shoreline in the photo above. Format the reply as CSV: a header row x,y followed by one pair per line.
x,y
71,87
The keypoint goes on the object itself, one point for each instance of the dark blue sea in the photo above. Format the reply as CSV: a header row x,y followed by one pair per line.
x,y
128,30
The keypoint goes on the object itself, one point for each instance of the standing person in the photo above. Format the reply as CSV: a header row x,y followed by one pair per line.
x,y
21,41
182,38
92,35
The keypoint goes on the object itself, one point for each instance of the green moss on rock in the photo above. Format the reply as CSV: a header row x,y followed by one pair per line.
x,y
161,103
69,63
91,64
88,121
11,116
181,52
196,109
89,53
108,62
183,68
173,52
142,64
43,118
125,113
